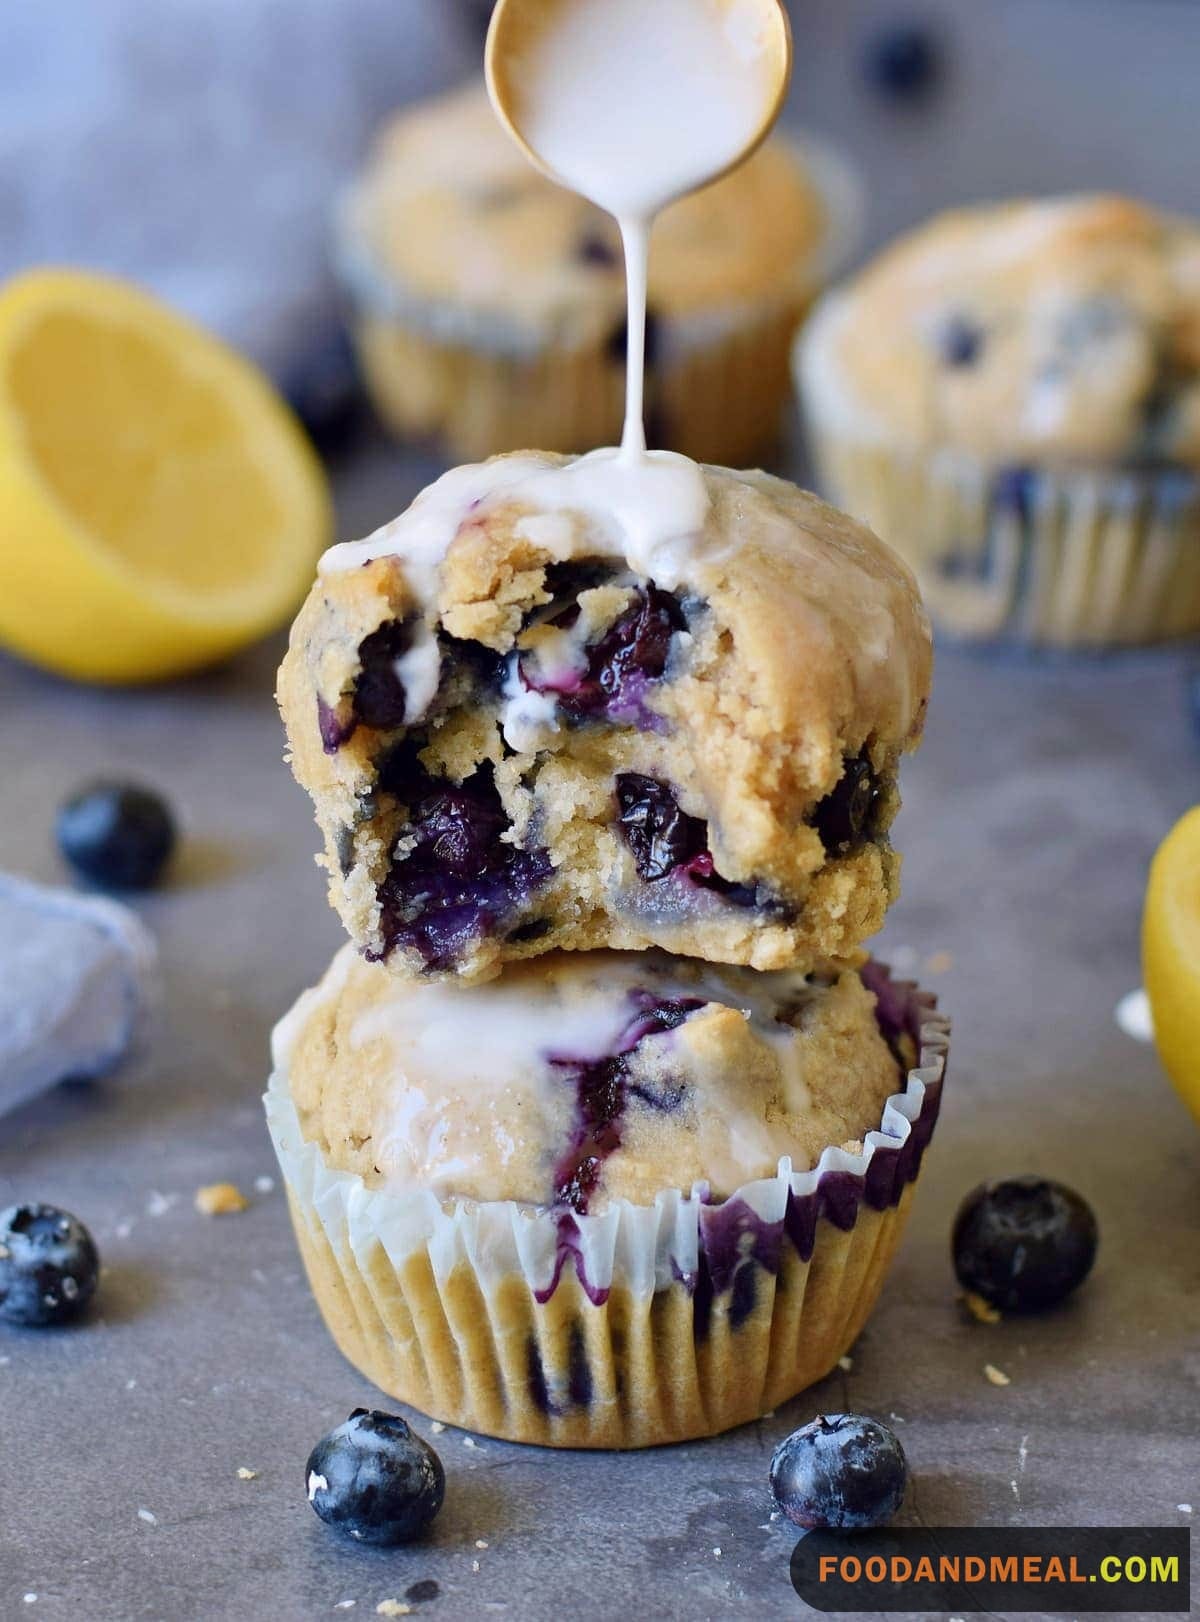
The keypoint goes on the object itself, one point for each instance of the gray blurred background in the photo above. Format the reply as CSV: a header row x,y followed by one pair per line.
x,y
197,145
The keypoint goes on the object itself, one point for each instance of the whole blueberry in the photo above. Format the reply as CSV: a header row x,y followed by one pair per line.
x,y
117,835
1193,699
1025,1243
842,1472
374,1479
322,387
903,62
48,1265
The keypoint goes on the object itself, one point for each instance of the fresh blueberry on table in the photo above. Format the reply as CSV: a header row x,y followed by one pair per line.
x,y
1025,1243
842,1472
116,835
375,1480
902,62
322,387
48,1265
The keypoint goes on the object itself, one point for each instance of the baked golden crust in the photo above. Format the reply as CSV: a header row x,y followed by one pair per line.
x,y
474,1092
1062,331
799,659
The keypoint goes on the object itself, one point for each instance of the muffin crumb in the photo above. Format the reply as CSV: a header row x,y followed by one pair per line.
x,y
221,1199
247,1475
982,1311
393,1607
995,1376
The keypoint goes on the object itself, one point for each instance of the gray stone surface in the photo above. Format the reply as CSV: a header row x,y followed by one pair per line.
x,y
1029,820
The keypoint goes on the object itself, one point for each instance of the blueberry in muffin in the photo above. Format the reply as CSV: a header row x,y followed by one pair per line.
x,y
565,704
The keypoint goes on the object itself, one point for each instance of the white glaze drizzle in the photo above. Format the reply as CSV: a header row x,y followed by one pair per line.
x,y
650,514
633,106
492,1045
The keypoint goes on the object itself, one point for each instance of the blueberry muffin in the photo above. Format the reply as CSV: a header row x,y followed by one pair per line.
x,y
604,1199
592,703
489,304
1011,397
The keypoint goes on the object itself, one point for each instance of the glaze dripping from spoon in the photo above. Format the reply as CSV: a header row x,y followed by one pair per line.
x,y
633,104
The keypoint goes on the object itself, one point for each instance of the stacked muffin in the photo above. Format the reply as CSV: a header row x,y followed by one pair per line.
x,y
601,1132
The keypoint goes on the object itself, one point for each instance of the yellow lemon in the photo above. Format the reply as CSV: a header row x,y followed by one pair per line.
x,y
160,506
1171,955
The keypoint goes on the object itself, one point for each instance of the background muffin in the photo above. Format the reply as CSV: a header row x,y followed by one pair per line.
x,y
1011,397
604,1200
523,727
489,304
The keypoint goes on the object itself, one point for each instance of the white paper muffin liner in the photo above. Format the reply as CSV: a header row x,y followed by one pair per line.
x,y
640,1324
1030,554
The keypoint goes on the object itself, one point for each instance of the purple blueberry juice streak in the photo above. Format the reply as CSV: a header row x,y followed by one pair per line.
x,y
614,682
601,1090
734,1240
334,731
458,879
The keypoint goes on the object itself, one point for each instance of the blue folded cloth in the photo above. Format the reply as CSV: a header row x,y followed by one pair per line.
x,y
76,977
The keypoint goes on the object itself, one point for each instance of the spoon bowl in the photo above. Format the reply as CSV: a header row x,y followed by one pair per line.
x,y
756,31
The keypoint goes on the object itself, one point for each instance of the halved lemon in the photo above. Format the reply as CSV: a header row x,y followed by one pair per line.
x,y
1171,955
160,507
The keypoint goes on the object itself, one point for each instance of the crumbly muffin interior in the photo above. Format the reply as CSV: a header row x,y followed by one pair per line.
x,y
563,703
552,791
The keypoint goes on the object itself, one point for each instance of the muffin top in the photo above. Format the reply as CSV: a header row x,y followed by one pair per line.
x,y
584,1077
1063,331
821,643
449,213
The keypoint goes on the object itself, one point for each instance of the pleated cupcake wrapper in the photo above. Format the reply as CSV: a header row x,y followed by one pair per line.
x,y
1066,558
489,382
639,1325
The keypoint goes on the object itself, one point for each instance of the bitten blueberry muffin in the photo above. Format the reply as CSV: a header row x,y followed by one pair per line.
x,y
1011,397
490,304
605,1199
587,703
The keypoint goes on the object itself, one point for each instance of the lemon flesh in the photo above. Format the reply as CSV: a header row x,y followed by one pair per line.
x,y
159,505
1171,955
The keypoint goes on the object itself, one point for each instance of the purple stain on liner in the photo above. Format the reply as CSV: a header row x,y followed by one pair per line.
x,y
733,1236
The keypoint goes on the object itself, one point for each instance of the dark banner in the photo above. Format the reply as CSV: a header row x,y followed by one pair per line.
x,y
996,1568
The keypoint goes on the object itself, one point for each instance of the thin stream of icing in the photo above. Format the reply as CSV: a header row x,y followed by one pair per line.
x,y
635,105
635,237
689,80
